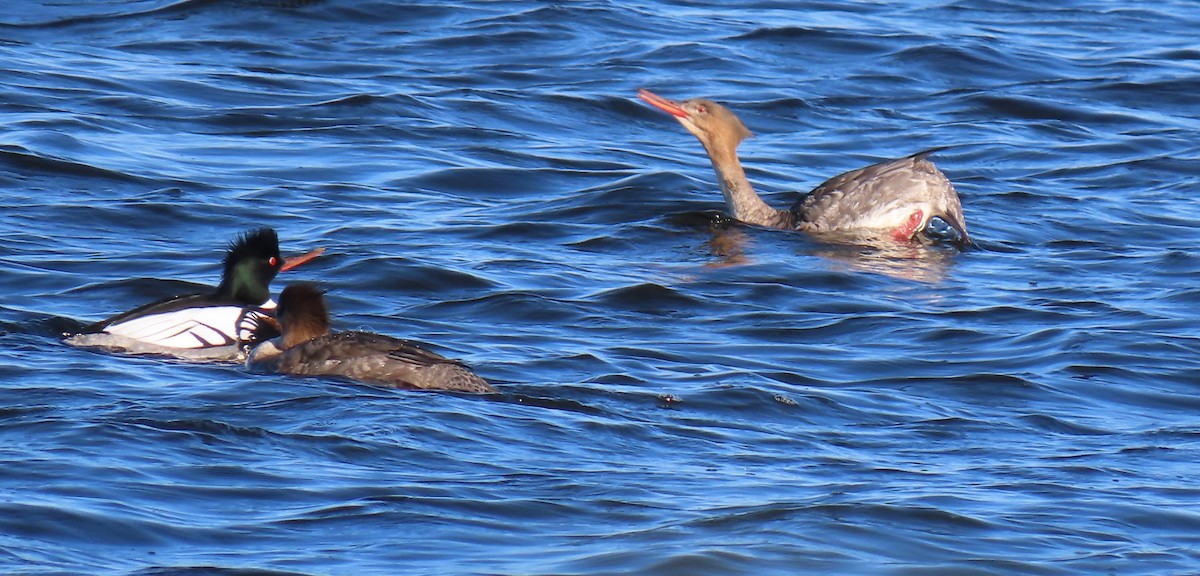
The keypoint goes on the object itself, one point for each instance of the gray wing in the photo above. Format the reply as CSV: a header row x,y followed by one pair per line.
x,y
382,360
848,200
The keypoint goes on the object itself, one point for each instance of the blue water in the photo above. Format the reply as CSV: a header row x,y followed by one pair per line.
x,y
679,396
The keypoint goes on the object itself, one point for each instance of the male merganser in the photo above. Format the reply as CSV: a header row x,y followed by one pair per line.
x,y
898,198
203,326
308,348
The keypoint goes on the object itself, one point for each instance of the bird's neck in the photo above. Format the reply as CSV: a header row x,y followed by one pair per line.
x,y
741,199
302,329
241,284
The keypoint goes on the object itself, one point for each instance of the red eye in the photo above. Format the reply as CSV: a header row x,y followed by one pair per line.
x,y
702,109
273,262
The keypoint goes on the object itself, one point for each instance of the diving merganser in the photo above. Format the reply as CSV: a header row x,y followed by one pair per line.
x,y
203,326
307,347
900,198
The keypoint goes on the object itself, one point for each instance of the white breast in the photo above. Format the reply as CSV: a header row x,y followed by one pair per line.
x,y
265,357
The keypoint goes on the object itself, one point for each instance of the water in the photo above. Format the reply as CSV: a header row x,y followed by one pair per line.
x,y
679,396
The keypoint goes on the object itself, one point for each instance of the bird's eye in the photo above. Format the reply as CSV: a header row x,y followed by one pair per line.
x,y
701,109
273,261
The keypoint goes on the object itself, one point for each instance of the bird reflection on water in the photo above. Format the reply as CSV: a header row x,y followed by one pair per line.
x,y
928,261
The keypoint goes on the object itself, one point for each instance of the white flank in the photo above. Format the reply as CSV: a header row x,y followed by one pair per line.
x,y
122,345
201,327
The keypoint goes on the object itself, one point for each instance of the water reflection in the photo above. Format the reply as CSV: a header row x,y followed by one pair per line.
x,y
927,262
907,261
729,246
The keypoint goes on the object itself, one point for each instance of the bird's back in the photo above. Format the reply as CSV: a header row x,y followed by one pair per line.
x,y
382,360
875,197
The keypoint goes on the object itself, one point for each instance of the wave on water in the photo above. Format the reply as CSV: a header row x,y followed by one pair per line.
x,y
679,392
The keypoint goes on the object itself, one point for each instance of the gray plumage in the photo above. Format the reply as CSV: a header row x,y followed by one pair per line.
x,y
308,348
894,197
859,198
379,359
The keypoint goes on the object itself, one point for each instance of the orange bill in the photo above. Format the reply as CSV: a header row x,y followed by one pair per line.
x,y
665,104
294,261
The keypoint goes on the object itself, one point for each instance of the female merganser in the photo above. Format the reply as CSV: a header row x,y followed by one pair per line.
x,y
308,348
900,198
203,326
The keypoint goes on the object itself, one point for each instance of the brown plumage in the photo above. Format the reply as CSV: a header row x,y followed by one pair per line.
x,y
896,198
308,347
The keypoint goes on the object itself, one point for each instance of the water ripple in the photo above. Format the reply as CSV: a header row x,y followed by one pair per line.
x,y
679,393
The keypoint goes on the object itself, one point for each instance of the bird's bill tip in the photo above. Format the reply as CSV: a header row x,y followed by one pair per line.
x,y
295,261
665,104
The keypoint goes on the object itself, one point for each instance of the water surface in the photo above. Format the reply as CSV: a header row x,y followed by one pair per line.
x,y
680,396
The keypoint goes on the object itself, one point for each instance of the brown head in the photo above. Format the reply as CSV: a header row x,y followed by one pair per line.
x,y
302,314
718,129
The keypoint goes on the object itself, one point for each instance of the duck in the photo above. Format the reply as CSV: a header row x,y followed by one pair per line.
x,y
904,199
308,347
209,326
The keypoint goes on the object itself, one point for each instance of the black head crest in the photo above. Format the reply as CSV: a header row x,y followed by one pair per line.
x,y
255,244
251,262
